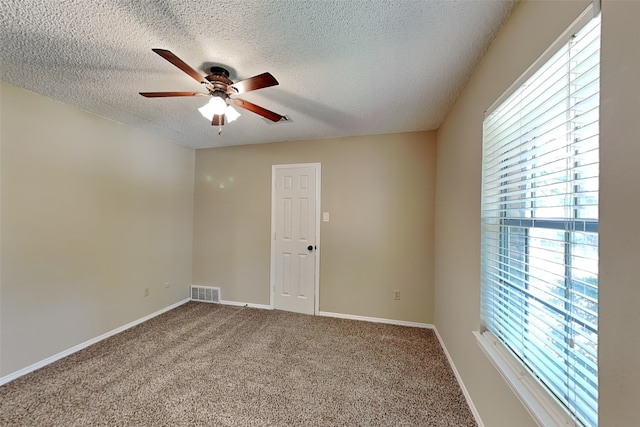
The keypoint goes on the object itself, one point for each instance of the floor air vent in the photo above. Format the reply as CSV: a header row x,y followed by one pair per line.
x,y
205,294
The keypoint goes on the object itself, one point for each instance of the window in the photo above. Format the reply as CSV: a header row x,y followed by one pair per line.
x,y
540,224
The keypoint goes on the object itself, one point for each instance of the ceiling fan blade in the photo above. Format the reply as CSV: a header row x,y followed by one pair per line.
x,y
218,120
165,94
274,117
256,82
169,56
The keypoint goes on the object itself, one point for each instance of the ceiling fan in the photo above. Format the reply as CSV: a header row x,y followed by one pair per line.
x,y
220,88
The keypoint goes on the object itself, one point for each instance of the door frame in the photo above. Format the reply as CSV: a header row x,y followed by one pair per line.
x,y
272,290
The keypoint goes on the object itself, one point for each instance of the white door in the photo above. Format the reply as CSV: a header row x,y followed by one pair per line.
x,y
294,225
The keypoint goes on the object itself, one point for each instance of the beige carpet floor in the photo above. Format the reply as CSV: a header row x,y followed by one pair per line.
x,y
212,365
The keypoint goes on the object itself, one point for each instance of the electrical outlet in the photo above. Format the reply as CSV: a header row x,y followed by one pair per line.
x,y
146,292
396,294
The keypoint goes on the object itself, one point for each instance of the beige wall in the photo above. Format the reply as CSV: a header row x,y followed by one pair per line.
x,y
531,29
379,191
619,323
92,212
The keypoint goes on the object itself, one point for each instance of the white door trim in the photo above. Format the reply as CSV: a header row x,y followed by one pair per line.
x,y
274,168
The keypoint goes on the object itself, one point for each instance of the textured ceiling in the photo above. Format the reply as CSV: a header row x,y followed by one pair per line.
x,y
345,67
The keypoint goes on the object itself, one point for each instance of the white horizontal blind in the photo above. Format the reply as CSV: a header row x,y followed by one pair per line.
x,y
540,223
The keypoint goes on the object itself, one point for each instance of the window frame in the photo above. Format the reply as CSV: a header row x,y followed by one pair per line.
x,y
539,402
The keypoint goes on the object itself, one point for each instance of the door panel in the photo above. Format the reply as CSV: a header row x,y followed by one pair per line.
x,y
295,200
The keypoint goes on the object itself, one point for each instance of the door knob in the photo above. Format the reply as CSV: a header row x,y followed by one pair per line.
x,y
310,248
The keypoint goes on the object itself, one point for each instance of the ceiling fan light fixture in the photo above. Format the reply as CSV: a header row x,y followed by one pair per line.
x,y
216,106
231,114
208,111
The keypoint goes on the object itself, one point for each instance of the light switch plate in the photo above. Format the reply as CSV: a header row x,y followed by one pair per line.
x,y
325,216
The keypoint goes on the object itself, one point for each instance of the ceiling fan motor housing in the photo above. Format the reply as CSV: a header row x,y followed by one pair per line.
x,y
219,82
219,71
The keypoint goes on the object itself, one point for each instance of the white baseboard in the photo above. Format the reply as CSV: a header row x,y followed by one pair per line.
x,y
44,362
467,396
246,304
376,320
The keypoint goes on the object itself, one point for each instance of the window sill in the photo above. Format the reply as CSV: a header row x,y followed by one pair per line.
x,y
544,409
